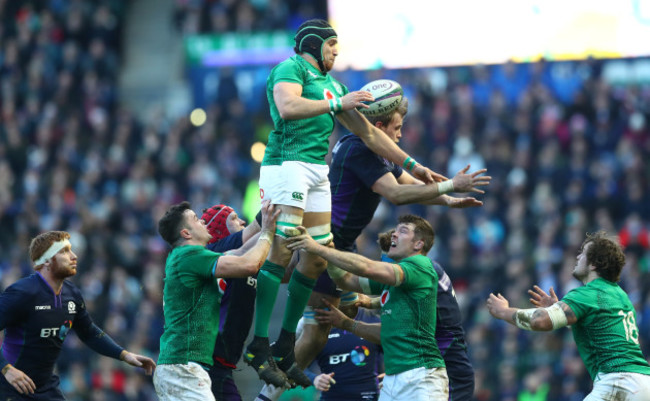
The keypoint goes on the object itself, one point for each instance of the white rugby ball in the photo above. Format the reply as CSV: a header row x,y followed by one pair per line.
x,y
388,95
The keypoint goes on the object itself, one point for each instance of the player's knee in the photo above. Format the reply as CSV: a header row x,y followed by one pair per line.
x,y
286,225
321,234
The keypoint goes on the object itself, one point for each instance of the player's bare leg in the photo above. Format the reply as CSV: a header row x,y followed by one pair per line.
x,y
258,352
300,287
314,335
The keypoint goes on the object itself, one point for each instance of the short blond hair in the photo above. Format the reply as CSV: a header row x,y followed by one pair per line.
x,y
42,242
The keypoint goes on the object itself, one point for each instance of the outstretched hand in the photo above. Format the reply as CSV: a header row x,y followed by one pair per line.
x,y
461,203
426,175
497,304
269,216
464,182
332,316
541,299
139,361
356,99
302,241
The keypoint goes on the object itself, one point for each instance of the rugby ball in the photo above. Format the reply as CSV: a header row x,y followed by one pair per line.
x,y
388,95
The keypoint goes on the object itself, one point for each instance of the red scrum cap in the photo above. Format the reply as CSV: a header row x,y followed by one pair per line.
x,y
215,219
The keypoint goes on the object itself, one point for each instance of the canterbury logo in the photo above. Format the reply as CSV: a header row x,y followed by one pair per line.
x,y
297,196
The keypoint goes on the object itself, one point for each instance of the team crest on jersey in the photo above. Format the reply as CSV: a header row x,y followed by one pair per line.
x,y
385,296
222,285
72,308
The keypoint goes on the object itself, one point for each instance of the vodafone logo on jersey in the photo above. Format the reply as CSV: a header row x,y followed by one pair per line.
x,y
385,296
328,94
222,285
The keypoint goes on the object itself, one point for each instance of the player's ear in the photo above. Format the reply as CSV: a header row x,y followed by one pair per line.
x,y
185,233
419,244
379,124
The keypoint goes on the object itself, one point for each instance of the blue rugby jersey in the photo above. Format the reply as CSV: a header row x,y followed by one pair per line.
x,y
353,171
355,363
239,296
36,322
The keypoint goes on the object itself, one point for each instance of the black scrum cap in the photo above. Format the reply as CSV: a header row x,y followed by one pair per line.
x,y
311,36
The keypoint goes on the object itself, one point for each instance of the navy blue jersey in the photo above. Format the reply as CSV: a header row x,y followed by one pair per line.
x,y
353,172
239,297
36,322
355,362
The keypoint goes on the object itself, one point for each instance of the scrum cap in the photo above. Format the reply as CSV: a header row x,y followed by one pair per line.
x,y
311,36
215,219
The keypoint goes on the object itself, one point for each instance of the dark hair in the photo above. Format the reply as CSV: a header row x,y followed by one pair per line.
x,y
170,225
385,119
605,254
43,242
423,230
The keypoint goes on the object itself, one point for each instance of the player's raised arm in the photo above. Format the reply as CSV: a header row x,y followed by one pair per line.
x,y
553,317
250,262
386,273
380,144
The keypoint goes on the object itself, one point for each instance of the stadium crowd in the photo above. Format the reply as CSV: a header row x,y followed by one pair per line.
x,y
566,148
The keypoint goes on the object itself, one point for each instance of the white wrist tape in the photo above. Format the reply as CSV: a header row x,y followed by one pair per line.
x,y
364,283
523,318
51,251
266,236
557,315
445,187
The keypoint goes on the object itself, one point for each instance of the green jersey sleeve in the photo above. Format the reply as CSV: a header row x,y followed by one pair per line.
x,y
417,271
199,265
288,71
581,300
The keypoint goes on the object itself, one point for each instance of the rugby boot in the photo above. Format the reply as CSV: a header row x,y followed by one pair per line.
x,y
258,356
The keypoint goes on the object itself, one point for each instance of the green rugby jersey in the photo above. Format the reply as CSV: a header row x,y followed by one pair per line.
x,y
408,318
305,140
606,332
191,301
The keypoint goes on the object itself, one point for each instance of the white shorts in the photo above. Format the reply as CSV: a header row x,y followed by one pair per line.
x,y
419,384
177,382
621,386
297,184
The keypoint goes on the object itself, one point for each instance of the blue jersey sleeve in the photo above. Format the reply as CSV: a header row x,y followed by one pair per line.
x,y
12,307
233,241
369,167
91,335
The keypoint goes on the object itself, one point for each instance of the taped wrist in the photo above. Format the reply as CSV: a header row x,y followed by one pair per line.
x,y
445,187
258,218
266,236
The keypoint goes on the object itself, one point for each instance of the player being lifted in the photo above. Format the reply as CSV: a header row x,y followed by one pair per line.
x,y
305,102
358,179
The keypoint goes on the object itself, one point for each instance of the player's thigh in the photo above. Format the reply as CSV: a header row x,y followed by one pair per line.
x,y
418,384
624,386
297,184
289,217
182,382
